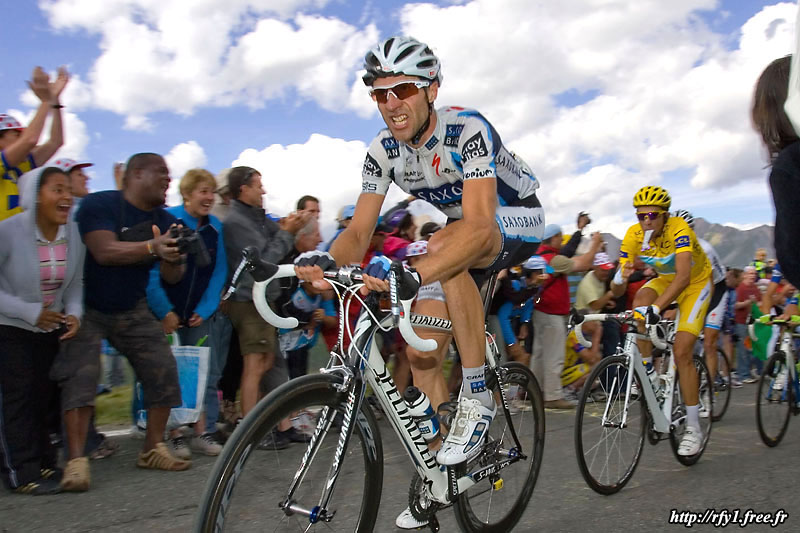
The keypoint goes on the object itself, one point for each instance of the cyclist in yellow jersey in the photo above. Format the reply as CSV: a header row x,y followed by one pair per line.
x,y
670,246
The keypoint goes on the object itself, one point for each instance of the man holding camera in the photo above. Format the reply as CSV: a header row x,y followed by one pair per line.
x,y
125,233
247,225
185,308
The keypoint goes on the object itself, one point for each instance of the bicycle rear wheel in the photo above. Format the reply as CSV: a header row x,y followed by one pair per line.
x,y
607,450
496,503
775,399
706,403
722,386
251,479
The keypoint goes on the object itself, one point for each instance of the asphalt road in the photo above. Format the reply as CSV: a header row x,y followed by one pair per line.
x,y
737,472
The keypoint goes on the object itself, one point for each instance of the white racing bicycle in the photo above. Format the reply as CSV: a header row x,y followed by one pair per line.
x,y
334,482
618,407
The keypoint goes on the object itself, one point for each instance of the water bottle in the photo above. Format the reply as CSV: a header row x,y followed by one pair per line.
x,y
651,373
421,410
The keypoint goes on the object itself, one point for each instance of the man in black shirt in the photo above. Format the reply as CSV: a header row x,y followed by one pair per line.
x,y
125,233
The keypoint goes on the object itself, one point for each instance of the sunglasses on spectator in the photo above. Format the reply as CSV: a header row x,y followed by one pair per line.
x,y
401,90
652,215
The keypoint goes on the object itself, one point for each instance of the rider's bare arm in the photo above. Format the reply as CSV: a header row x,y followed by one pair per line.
x,y
473,241
351,245
683,275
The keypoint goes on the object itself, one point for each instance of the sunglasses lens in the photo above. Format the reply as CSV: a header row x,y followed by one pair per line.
x,y
401,91
405,90
647,216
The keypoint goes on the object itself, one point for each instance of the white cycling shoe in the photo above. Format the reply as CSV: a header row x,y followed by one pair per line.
x,y
691,442
406,520
467,432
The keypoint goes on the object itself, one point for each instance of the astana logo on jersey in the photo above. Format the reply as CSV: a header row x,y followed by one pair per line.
x,y
662,265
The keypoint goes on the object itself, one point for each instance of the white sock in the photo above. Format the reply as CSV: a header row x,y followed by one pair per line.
x,y
693,416
474,385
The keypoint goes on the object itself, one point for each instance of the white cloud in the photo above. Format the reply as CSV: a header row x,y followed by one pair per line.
x,y
325,167
182,157
669,95
76,136
176,56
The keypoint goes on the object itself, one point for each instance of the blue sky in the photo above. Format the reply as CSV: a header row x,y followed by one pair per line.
x,y
598,102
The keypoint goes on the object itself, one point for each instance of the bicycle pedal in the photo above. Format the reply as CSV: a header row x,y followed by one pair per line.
x,y
497,484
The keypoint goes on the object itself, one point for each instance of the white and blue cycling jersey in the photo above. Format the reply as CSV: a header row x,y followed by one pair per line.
x,y
463,146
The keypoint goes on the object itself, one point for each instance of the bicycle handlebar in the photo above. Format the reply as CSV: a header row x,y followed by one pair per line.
x,y
576,319
264,273
770,320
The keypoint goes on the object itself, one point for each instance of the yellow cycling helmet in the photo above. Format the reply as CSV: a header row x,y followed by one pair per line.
x,y
652,195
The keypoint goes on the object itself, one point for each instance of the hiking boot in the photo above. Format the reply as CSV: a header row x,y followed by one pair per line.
x,y
76,475
159,458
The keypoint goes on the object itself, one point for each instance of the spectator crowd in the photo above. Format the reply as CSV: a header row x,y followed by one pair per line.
x,y
118,267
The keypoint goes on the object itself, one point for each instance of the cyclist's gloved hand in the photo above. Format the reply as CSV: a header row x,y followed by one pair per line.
x,y
379,267
324,260
649,313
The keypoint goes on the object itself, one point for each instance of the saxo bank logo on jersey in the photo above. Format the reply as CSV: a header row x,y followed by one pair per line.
x,y
521,223
474,147
371,167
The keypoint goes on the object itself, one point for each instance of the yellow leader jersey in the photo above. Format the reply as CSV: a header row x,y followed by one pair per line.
x,y
660,252
9,194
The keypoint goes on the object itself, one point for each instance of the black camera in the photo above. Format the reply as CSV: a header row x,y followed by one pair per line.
x,y
189,242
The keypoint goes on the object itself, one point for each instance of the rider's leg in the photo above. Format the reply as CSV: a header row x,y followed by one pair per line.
x,y
710,337
466,314
687,373
645,296
426,367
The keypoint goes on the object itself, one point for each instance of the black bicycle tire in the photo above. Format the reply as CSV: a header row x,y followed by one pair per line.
x,y
466,518
718,414
593,483
313,389
766,439
689,460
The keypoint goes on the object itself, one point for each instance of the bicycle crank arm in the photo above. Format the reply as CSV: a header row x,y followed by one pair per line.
x,y
492,469
433,523
314,515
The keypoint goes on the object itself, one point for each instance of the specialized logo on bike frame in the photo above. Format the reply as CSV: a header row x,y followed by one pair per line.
x,y
391,146
384,380
452,134
474,147
431,322
371,167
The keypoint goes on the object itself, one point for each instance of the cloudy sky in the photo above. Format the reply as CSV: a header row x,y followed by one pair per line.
x,y
600,97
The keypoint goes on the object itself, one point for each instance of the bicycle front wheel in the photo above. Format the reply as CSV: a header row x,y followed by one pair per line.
x,y
609,432
775,399
248,489
496,503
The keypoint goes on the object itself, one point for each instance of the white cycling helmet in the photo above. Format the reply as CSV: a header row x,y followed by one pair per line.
x,y
417,248
685,215
401,55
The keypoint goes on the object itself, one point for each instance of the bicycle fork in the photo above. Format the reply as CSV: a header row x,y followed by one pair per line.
x,y
355,394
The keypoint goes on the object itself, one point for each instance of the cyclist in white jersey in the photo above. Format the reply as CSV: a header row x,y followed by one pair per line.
x,y
719,299
454,159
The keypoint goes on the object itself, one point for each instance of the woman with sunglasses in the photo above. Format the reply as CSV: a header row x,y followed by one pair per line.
x,y
669,245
